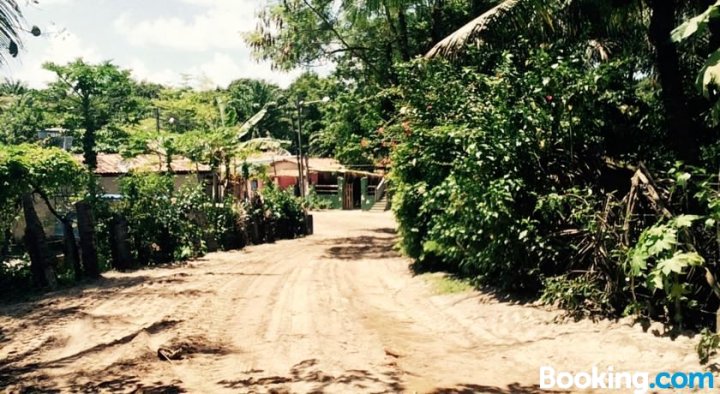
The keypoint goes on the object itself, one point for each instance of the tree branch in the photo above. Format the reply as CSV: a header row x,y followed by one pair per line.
x,y
339,36
46,199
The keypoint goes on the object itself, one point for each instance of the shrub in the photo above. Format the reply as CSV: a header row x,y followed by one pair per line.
x,y
505,179
314,202
163,223
285,212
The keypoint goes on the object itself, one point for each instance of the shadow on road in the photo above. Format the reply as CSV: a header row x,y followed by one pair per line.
x,y
360,247
121,384
385,230
308,372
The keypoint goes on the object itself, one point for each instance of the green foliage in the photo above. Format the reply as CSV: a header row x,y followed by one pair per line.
x,y
28,169
169,225
162,224
21,117
15,277
25,168
486,175
348,134
708,79
96,99
696,24
660,262
314,202
184,110
285,210
707,346
581,296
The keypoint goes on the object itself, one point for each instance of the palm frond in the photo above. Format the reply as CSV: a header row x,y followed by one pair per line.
x,y
261,144
453,43
10,27
252,122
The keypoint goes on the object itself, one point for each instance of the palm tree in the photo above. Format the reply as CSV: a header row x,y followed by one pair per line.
x,y
451,45
11,25
11,87
602,23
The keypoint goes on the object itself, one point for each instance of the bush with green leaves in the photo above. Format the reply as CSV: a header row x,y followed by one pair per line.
x,y
161,220
494,174
515,172
285,212
173,225
314,202
52,177
659,264
581,296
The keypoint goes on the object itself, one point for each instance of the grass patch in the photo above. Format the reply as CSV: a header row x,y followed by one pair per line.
x,y
447,284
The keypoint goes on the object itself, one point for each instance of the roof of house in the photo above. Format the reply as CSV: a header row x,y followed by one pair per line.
x,y
317,164
267,157
115,164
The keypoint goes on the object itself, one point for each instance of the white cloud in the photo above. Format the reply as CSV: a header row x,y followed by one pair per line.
x,y
196,38
141,72
219,26
218,70
61,49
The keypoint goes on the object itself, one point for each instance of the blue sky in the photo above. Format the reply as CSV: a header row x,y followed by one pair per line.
x,y
159,40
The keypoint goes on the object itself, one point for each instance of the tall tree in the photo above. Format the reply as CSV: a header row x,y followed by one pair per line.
x,y
22,115
682,133
247,96
28,171
364,39
93,97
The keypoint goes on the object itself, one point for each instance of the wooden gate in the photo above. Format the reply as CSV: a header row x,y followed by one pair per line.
x,y
347,202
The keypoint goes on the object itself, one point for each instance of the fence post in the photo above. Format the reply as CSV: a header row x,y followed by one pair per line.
x,y
120,243
340,204
365,202
71,254
88,249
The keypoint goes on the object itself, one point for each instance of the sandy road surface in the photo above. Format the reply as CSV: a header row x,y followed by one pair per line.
x,y
337,312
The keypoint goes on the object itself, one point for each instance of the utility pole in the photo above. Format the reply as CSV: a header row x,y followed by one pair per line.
x,y
301,180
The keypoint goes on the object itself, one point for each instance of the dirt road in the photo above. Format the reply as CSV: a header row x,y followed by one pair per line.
x,y
337,312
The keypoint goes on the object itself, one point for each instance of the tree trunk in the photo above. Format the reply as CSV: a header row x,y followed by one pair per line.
x,y
88,140
42,271
681,132
403,31
391,25
88,248
70,248
167,245
436,28
215,187
120,243
5,248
